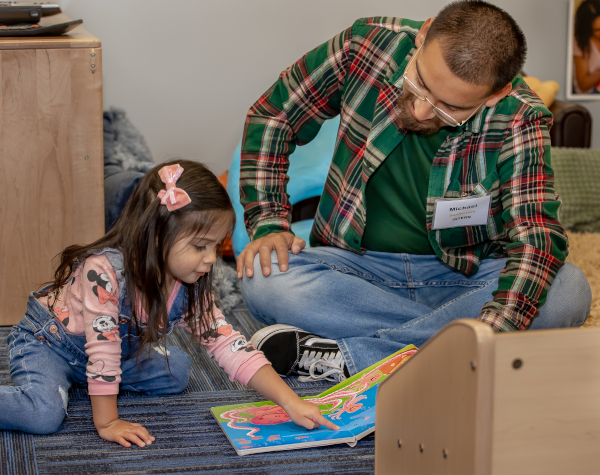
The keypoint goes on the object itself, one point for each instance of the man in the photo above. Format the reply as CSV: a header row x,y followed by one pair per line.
x,y
439,203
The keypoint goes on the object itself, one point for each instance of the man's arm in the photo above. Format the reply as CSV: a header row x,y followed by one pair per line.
x,y
290,113
538,243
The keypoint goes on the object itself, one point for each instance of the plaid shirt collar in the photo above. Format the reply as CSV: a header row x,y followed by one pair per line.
x,y
385,138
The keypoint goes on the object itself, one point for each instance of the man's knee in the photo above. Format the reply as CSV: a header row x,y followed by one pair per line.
x,y
270,299
570,297
259,289
257,276
579,291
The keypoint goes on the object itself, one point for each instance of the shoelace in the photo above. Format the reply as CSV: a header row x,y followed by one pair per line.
x,y
313,361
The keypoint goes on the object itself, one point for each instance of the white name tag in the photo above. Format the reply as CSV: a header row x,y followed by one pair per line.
x,y
452,213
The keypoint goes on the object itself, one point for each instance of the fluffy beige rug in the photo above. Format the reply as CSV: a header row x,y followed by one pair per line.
x,y
585,253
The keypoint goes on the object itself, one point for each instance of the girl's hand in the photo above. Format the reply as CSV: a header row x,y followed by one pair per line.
x,y
307,415
123,432
271,386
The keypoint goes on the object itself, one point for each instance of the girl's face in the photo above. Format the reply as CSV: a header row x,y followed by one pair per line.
x,y
192,256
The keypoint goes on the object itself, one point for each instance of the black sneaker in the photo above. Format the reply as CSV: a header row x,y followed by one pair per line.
x,y
294,352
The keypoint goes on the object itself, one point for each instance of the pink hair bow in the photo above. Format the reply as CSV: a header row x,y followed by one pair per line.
x,y
173,198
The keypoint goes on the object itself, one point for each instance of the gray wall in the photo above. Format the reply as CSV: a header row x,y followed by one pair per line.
x,y
186,71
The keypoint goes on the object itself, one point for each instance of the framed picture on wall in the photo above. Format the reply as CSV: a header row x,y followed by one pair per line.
x,y
583,52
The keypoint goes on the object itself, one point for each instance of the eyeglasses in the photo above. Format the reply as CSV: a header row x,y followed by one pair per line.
x,y
419,94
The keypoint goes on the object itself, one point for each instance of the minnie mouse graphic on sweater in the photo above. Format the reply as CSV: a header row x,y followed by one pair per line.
x,y
103,289
106,326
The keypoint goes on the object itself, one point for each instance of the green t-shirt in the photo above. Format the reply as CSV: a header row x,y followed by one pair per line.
x,y
396,195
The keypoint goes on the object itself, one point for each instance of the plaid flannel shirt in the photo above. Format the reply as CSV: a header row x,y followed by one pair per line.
x,y
503,151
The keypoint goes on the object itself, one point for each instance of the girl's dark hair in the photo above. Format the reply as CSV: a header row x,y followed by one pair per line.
x,y
587,12
146,232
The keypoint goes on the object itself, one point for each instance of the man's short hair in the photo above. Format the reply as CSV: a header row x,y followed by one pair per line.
x,y
481,43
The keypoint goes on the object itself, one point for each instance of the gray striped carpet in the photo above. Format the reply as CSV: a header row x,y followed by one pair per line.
x,y
188,440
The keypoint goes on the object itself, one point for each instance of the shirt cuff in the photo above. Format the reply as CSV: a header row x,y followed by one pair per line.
x,y
98,388
267,229
498,322
250,367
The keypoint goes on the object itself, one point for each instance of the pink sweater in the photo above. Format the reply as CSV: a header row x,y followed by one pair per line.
x,y
88,305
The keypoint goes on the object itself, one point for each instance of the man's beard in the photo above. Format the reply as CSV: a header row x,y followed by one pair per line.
x,y
407,121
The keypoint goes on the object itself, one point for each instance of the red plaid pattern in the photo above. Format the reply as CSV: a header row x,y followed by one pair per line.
x,y
503,151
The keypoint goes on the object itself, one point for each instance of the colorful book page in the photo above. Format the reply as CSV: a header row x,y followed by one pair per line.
x,y
264,426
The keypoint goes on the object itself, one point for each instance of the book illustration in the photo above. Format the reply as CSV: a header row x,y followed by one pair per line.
x,y
264,426
270,414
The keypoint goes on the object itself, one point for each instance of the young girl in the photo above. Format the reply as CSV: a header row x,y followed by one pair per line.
x,y
105,318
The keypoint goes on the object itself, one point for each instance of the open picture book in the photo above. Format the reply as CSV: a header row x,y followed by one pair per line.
x,y
265,427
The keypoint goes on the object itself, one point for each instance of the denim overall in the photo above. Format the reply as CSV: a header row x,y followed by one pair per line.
x,y
45,360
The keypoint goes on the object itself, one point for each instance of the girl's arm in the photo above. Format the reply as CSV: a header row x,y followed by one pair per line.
x,y
113,429
240,361
267,382
99,299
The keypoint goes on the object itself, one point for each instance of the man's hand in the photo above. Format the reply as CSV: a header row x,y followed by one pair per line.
x,y
307,415
123,432
280,242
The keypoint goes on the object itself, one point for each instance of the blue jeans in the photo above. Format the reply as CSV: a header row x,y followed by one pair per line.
x,y
44,365
376,304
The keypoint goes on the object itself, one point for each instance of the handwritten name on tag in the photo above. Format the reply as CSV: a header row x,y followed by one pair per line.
x,y
453,213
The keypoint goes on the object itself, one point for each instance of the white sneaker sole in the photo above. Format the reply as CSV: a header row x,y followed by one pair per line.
x,y
264,333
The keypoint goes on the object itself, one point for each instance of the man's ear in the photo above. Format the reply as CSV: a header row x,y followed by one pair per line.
x,y
501,94
423,32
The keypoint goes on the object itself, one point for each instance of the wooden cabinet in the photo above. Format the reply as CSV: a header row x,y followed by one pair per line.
x,y
51,157
475,402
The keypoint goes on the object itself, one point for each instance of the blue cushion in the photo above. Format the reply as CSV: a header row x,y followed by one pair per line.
x,y
308,170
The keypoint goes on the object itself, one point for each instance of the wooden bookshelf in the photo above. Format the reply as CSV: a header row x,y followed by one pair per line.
x,y
51,157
